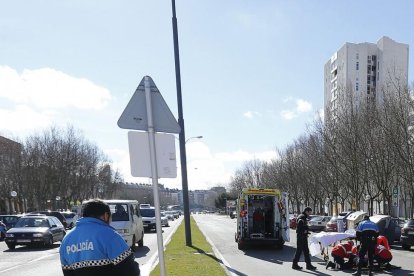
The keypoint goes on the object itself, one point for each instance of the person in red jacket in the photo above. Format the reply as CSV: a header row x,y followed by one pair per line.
x,y
382,240
382,255
340,252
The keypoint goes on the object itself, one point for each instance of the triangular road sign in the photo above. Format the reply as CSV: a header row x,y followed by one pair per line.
x,y
135,113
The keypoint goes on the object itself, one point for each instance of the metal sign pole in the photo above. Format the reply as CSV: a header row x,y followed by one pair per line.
x,y
154,170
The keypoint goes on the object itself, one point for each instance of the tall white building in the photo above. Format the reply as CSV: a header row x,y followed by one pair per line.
x,y
363,69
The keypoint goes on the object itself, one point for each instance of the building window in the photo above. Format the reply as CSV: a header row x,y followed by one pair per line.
x,y
357,55
356,86
357,65
369,69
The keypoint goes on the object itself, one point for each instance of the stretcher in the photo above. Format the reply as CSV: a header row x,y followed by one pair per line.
x,y
319,243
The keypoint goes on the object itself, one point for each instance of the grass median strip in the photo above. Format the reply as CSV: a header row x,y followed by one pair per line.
x,y
197,259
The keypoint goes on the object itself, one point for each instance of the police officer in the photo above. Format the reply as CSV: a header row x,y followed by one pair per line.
x,y
367,233
93,247
302,232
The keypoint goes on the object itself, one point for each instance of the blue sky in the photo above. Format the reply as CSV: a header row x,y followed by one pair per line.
x,y
252,71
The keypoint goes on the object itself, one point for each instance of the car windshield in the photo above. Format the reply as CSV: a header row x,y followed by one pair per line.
x,y
148,212
119,212
410,222
32,222
333,220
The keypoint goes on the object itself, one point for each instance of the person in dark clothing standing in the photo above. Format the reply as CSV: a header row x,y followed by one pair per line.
x,y
302,232
367,233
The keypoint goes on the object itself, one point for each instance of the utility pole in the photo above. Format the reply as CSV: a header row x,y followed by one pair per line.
x,y
183,155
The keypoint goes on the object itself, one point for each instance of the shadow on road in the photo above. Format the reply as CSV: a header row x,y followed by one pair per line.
x,y
211,255
141,251
26,248
280,256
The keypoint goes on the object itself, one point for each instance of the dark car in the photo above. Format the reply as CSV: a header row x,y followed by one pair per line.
x,y
35,230
53,214
332,225
9,220
232,214
407,234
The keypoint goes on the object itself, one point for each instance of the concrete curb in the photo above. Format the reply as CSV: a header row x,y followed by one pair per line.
x,y
217,253
153,261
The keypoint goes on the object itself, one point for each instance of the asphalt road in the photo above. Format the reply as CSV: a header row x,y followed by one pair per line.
x,y
268,261
28,261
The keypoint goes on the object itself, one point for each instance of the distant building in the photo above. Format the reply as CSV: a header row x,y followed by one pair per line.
x,y
10,162
364,69
218,190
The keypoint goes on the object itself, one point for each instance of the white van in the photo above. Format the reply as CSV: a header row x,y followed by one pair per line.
x,y
127,220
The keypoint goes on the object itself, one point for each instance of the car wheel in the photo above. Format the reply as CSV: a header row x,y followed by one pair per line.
x,y
141,241
11,246
406,246
134,244
50,242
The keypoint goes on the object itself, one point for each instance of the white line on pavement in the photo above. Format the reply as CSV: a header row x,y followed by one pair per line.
x,y
225,264
32,261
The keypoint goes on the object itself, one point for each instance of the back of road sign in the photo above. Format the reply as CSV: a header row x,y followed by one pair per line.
x,y
139,154
135,113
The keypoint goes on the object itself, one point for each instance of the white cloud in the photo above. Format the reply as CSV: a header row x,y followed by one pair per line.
x,y
24,118
301,106
50,88
251,114
288,115
204,168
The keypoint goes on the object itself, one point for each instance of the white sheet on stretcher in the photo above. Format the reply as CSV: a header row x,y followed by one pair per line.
x,y
327,238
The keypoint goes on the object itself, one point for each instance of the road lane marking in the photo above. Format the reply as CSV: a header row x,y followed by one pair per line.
x,y
224,263
29,262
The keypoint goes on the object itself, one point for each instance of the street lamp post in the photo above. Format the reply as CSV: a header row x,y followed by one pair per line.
x,y
183,156
194,137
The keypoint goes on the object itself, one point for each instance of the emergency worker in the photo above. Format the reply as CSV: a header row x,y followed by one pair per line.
x,y
302,232
340,252
367,233
382,240
94,248
382,255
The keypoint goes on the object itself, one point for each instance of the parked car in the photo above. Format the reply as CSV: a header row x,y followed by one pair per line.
x,y
164,219
407,234
53,214
3,230
71,218
399,225
292,222
232,214
9,220
388,227
332,225
318,223
35,230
